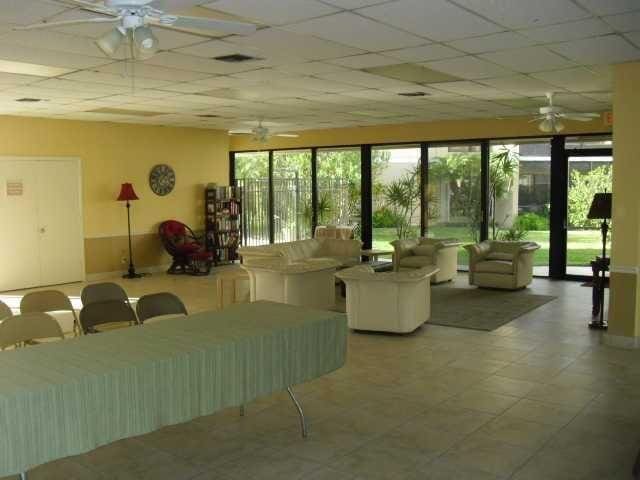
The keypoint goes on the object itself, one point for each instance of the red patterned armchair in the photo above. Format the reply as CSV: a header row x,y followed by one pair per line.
x,y
187,250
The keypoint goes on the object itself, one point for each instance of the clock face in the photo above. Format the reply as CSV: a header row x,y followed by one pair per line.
x,y
162,179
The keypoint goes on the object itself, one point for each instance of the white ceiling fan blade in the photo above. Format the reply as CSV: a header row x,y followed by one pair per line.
x,y
580,117
38,26
239,28
286,135
537,119
240,132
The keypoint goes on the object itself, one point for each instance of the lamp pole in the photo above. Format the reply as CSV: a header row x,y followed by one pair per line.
x,y
132,270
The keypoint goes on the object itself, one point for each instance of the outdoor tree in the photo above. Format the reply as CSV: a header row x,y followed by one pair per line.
x,y
583,186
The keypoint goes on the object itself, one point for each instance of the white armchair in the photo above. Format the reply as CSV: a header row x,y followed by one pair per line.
x,y
441,253
498,264
387,301
310,283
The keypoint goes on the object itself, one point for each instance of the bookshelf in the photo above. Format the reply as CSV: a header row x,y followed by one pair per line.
x,y
223,209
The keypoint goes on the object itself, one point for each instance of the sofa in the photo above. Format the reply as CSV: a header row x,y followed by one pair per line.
x,y
345,252
397,302
309,283
501,264
441,253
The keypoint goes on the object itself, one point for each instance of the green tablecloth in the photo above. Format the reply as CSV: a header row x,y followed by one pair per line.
x,y
69,397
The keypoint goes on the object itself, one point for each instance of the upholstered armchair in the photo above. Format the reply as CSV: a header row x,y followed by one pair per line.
x,y
441,253
498,264
387,301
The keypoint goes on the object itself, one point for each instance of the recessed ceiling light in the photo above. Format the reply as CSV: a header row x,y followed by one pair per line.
x,y
208,115
23,68
235,58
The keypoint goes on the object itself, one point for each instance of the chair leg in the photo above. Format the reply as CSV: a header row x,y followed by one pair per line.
x,y
23,476
303,422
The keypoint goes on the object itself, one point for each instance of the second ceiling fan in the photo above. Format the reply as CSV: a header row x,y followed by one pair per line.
x,y
550,116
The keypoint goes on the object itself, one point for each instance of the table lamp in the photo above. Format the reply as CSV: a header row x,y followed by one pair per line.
x,y
127,194
601,210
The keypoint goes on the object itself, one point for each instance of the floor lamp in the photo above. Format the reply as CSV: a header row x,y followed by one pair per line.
x,y
601,210
127,194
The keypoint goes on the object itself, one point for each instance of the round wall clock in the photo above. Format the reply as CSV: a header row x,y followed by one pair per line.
x,y
162,179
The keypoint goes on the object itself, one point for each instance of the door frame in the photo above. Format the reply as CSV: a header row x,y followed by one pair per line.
x,y
569,153
77,162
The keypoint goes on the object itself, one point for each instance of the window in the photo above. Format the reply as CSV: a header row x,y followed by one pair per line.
x,y
291,195
338,176
396,194
252,175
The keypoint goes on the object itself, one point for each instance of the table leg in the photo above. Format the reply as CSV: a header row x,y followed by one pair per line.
x,y
303,423
23,476
242,410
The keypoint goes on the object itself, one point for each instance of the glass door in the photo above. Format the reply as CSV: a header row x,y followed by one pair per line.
x,y
588,175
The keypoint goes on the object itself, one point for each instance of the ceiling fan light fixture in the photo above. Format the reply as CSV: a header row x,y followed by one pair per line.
x,y
546,126
146,43
111,41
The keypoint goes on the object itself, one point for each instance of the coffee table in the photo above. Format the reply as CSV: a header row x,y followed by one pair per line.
x,y
373,253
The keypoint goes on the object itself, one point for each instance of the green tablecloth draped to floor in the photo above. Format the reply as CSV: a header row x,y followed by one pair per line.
x,y
69,397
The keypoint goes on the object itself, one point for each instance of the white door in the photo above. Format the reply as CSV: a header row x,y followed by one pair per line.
x,y
60,222
41,240
19,240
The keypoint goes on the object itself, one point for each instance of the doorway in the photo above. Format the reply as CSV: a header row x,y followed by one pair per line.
x,y
41,208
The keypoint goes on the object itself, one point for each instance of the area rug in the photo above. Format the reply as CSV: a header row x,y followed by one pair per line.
x,y
481,309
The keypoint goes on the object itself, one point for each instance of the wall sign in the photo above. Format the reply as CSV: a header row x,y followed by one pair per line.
x,y
15,188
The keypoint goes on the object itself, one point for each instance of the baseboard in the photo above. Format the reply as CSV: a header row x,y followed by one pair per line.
x,y
620,341
93,277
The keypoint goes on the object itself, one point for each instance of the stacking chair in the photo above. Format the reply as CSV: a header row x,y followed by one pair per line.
x,y
5,311
111,312
159,305
18,330
47,301
101,292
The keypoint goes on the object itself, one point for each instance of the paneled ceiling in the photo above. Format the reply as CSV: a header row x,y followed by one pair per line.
x,y
324,63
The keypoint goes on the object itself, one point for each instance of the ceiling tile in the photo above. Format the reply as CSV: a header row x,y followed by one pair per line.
x,y
351,4
117,78
468,67
436,20
606,50
520,84
527,60
467,88
365,61
424,53
526,13
196,64
24,12
634,37
609,7
49,57
580,79
273,12
143,70
362,79
52,40
627,22
310,68
356,31
492,43
272,41
568,31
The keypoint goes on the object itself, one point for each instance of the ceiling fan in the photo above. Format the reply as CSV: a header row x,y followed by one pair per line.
x,y
551,117
132,21
261,133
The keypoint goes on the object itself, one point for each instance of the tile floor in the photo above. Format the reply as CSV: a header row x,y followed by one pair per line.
x,y
537,399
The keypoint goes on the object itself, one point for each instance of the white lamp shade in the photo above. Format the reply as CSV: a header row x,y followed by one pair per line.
x,y
146,43
546,126
111,41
